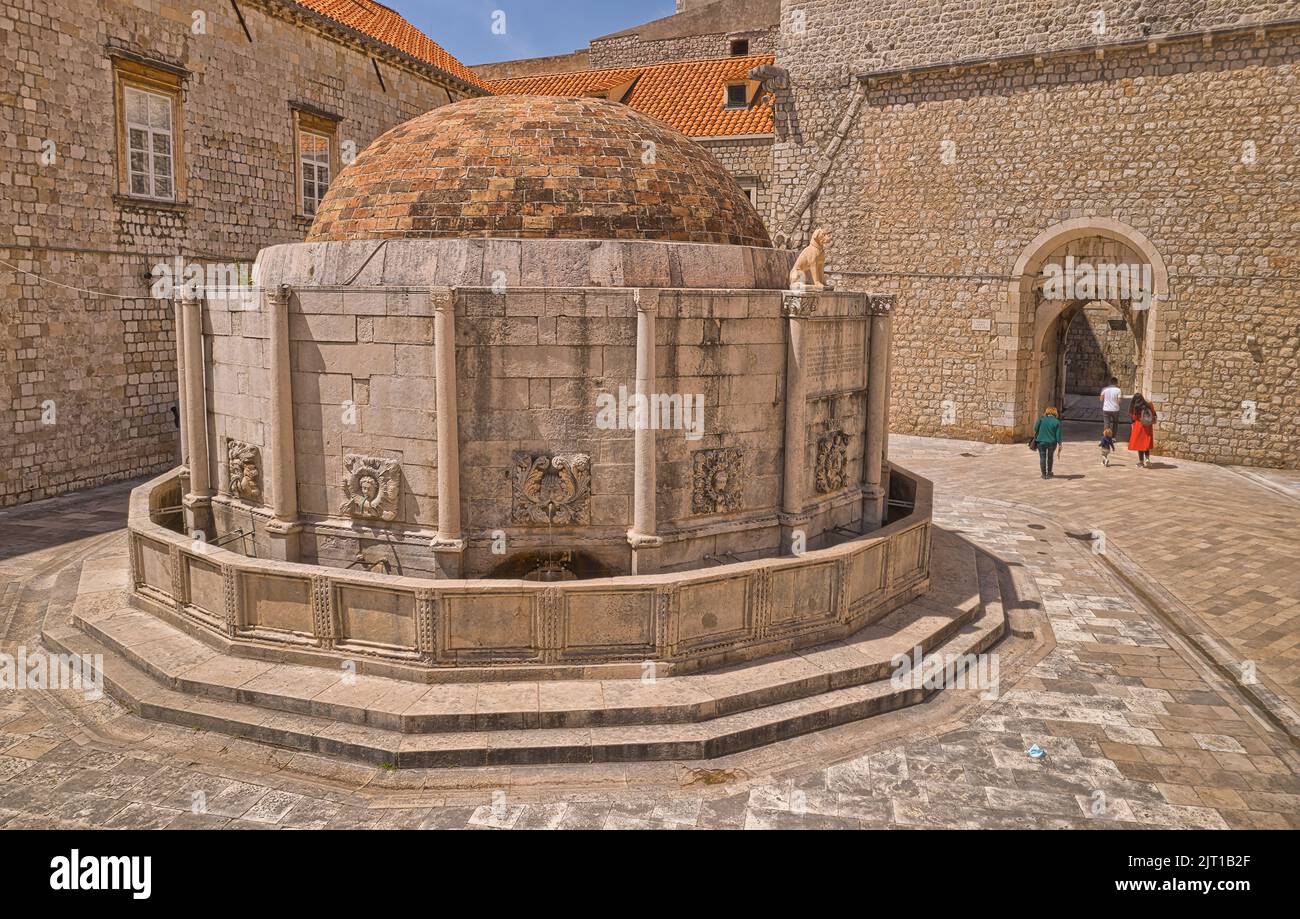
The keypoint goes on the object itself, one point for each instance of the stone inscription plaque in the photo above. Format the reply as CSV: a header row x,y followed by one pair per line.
x,y
836,357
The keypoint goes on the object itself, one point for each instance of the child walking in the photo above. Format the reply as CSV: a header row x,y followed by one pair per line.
x,y
1107,445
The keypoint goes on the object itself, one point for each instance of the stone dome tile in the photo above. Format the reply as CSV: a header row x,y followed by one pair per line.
x,y
534,166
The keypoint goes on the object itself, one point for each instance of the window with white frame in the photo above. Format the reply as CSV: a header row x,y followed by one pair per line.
x,y
314,168
150,144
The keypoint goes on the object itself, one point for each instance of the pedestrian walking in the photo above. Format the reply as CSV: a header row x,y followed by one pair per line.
x,y
1142,436
1047,439
1111,397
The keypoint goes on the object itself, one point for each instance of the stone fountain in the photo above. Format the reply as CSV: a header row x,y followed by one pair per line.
x,y
419,387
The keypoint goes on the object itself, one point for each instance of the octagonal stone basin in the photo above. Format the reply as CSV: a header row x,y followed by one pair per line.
x,y
443,630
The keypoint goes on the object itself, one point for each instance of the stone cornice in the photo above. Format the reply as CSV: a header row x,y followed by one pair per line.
x,y
372,47
1096,49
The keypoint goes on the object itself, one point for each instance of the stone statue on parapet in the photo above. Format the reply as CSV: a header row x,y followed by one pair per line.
x,y
809,271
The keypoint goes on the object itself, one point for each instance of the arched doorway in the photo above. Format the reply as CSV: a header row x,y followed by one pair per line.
x,y
1081,344
1087,264
1099,343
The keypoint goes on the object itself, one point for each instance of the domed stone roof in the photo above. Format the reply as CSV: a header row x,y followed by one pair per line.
x,y
537,166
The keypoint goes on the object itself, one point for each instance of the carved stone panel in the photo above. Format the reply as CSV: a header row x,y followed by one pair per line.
x,y
553,489
371,487
836,357
832,461
717,480
244,465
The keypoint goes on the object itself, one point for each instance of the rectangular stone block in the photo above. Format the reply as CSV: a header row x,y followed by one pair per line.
x,y
413,360
835,356
376,617
361,359
502,624
803,595
246,352
908,556
403,329
866,575
207,588
714,612
277,603
155,565
608,619
550,361
309,327
365,303
322,388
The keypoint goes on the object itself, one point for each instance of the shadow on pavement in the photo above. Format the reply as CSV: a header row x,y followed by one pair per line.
x,y
52,522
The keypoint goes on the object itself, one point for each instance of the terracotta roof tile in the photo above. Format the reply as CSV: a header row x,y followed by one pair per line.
x,y
688,95
387,26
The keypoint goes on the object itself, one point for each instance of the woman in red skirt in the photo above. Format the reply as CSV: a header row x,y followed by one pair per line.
x,y
1141,436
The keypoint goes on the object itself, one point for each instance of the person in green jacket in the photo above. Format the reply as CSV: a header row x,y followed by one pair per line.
x,y
1047,435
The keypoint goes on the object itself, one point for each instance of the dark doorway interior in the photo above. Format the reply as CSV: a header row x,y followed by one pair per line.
x,y
1098,344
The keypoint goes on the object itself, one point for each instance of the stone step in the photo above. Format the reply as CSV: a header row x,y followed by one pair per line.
x,y
181,662
716,735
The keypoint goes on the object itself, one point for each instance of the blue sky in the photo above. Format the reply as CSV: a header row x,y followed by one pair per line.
x,y
532,27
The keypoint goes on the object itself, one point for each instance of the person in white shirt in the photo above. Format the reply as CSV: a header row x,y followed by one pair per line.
x,y
1111,397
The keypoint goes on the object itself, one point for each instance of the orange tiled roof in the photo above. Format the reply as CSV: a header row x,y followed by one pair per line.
x,y
387,26
686,94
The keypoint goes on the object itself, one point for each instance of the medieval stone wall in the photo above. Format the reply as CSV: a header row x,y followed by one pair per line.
x,y
750,162
1095,351
698,30
104,362
946,177
828,35
632,50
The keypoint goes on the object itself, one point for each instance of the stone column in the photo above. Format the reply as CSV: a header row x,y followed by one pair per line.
x,y
448,546
642,537
198,498
797,307
284,528
181,411
874,481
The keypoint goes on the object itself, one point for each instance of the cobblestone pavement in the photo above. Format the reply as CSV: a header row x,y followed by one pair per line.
x,y
1138,731
1225,541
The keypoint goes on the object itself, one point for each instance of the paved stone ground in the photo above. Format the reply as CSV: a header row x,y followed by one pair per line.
x,y
1138,731
1225,541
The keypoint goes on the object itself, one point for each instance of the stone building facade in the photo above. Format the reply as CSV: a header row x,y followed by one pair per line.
x,y
87,353
696,31
958,152
703,30
749,160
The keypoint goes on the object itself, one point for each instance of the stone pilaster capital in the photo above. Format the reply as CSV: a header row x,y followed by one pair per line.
x,y
880,304
647,301
279,296
442,299
798,304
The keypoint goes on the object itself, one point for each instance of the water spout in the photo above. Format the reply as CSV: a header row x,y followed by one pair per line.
x,y
555,566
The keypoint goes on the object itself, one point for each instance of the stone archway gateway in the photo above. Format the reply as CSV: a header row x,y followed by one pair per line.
x,y
1096,252
1089,342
